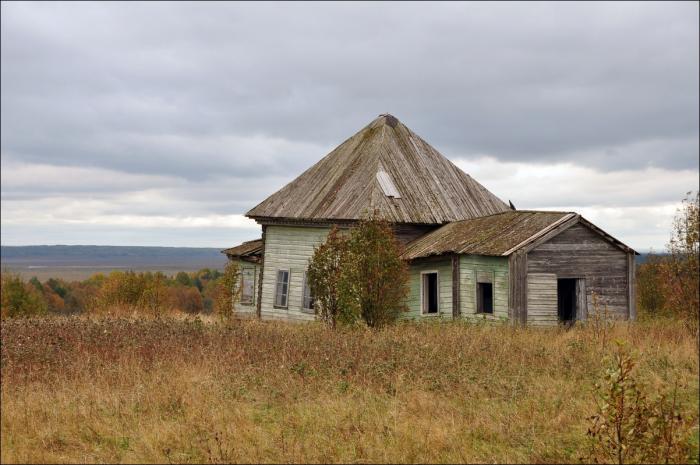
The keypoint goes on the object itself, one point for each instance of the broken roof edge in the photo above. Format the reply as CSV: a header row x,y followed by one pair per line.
x,y
247,248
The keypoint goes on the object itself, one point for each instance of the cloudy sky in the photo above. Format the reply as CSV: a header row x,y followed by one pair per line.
x,y
163,123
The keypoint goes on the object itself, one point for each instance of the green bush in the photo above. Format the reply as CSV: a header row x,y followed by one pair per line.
x,y
20,298
361,276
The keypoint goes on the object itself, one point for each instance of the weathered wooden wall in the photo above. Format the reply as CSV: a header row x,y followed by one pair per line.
x,y
470,266
443,265
542,299
289,248
408,232
579,252
517,295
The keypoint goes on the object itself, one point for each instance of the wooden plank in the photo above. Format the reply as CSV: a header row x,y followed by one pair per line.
x,y
632,280
343,185
455,286
581,253
541,298
517,308
258,306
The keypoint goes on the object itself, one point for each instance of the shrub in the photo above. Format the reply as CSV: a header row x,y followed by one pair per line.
x,y
186,299
227,290
682,270
376,278
153,293
650,296
324,276
19,298
631,428
183,278
360,276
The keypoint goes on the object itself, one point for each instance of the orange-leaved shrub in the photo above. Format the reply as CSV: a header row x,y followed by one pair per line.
x,y
631,427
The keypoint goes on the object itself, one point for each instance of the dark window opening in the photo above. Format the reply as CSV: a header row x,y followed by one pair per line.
x,y
430,293
484,298
566,299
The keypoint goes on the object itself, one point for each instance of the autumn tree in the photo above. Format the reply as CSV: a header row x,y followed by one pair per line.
x,y
376,277
682,276
18,298
360,275
324,277
650,296
227,290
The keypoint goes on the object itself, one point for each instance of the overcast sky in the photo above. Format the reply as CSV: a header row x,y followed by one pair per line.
x,y
163,123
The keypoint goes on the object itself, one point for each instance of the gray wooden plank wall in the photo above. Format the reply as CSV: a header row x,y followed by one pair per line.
x,y
579,252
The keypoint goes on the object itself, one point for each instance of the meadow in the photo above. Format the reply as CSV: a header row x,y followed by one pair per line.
x,y
198,389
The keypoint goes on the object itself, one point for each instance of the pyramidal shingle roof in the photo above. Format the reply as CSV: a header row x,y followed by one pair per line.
x,y
386,168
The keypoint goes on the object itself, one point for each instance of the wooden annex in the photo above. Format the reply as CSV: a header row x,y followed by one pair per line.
x,y
470,254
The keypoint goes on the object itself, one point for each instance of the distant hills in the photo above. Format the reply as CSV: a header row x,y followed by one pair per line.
x,y
80,261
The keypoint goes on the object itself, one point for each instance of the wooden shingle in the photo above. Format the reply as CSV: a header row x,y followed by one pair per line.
x,y
345,184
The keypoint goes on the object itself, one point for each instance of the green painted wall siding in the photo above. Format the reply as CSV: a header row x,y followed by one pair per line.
x,y
289,248
444,269
469,266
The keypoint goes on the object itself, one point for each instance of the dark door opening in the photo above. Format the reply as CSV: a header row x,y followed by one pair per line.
x,y
566,299
430,293
484,298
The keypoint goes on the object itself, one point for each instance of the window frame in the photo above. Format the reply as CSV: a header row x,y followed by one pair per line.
x,y
277,285
304,289
423,311
246,302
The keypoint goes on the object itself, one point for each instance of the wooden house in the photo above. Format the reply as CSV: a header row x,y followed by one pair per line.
x,y
470,254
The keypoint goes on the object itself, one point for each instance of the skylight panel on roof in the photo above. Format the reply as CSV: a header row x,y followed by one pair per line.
x,y
387,185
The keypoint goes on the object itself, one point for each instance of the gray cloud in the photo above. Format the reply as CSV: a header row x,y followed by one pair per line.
x,y
218,104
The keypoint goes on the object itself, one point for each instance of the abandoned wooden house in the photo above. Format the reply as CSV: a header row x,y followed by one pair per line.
x,y
470,254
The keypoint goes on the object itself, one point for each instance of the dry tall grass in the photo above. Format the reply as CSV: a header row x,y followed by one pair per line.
x,y
118,390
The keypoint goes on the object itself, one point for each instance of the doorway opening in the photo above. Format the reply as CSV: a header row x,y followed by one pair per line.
x,y
566,300
429,289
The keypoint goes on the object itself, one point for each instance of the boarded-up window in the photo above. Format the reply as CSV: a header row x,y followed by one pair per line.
x,y
247,286
282,288
429,292
387,185
307,304
484,297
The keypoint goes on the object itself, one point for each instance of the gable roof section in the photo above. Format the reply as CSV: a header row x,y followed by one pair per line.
x,y
498,235
386,168
249,250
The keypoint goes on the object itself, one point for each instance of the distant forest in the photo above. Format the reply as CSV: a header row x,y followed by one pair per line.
x,y
81,261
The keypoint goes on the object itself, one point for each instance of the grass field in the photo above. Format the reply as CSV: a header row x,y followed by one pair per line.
x,y
117,390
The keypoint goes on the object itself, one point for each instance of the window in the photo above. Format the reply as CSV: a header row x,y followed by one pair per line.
x,y
307,300
387,185
484,298
429,292
282,288
247,286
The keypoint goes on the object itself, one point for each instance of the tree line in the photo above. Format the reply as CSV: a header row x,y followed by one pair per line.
x,y
203,291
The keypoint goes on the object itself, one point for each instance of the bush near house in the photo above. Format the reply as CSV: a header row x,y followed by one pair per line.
x,y
325,275
359,275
